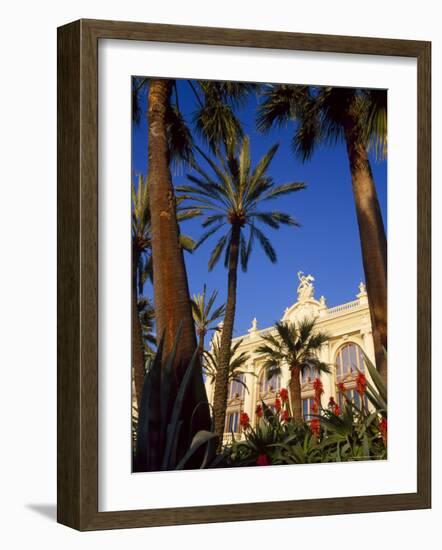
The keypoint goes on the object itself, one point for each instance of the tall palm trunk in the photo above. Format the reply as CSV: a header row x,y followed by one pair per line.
x,y
295,393
201,335
171,291
373,240
138,368
222,374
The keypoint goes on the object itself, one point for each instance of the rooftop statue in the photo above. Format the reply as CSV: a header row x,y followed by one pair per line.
x,y
305,288
254,326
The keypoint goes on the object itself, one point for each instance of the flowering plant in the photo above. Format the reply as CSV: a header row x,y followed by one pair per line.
x,y
329,435
270,425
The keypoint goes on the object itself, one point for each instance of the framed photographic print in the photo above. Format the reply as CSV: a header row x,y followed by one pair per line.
x,y
236,339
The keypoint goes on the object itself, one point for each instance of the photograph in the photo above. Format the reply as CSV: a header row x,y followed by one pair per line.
x,y
259,274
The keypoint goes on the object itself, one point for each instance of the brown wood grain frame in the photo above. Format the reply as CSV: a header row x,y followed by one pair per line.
x,y
77,225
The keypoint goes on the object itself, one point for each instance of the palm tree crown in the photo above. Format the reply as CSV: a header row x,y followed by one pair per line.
x,y
141,232
322,114
204,315
146,314
236,363
295,345
358,117
232,196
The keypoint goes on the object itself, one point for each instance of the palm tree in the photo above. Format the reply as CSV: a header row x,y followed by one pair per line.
x,y
204,316
231,197
142,270
295,345
169,141
359,117
146,314
141,263
236,363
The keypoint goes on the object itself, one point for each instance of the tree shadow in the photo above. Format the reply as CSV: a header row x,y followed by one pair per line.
x,y
49,511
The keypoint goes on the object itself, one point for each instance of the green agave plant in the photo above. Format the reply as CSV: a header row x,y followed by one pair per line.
x,y
261,440
164,438
356,433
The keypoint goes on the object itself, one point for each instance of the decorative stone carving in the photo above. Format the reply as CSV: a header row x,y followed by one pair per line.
x,y
306,289
254,328
362,296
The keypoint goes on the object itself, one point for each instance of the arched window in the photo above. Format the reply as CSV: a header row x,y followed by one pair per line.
x,y
267,385
236,389
232,422
349,361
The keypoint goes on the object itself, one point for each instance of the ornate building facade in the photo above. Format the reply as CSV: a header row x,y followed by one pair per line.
x,y
349,328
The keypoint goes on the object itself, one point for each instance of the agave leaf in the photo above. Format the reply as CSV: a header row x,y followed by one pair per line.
x,y
376,377
217,461
268,413
365,447
210,454
142,457
166,381
331,440
375,399
371,418
174,450
176,412
201,438
345,449
195,410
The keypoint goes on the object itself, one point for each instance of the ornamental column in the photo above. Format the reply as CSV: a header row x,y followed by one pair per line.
x,y
327,379
249,394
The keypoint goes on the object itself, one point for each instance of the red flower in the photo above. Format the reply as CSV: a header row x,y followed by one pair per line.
x,y
314,407
319,389
277,405
259,412
263,460
341,387
383,429
284,395
285,415
333,406
244,420
361,384
315,426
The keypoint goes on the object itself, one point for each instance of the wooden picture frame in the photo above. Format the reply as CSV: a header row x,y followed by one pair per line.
x,y
78,274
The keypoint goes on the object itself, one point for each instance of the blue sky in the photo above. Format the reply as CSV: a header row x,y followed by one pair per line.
x,y
326,245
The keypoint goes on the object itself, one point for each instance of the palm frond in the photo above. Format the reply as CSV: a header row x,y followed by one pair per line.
x,y
187,243
179,138
232,195
208,234
216,123
284,189
203,312
374,122
263,165
216,252
282,103
274,218
265,244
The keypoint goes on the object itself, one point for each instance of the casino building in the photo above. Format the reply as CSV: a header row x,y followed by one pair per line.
x,y
349,328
